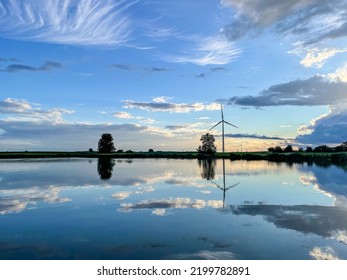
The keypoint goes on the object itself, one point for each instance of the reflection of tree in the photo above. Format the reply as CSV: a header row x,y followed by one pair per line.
x,y
105,167
208,167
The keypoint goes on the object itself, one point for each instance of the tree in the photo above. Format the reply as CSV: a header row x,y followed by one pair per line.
x,y
342,147
309,149
322,149
288,149
106,143
271,149
277,149
208,146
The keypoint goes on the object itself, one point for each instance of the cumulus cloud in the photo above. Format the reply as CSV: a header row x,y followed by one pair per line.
x,y
46,67
329,128
92,22
162,105
314,91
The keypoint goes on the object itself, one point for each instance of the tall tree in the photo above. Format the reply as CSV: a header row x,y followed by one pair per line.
x,y
106,144
207,146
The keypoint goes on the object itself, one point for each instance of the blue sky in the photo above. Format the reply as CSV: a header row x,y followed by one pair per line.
x,y
154,73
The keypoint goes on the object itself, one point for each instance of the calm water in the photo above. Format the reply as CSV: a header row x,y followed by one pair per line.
x,y
171,209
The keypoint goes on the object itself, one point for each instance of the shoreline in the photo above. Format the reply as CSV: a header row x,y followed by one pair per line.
x,y
294,157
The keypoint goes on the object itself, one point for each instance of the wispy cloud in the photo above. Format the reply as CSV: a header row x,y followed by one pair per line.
x,y
159,106
46,67
211,50
90,22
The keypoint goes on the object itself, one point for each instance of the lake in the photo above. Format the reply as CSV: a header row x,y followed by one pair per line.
x,y
171,209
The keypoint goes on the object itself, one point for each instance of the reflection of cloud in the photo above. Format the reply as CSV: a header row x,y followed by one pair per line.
x,y
205,255
325,253
172,203
15,201
121,195
159,212
332,183
340,235
321,220
126,194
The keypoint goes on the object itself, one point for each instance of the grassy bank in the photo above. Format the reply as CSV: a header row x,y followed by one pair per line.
x,y
295,157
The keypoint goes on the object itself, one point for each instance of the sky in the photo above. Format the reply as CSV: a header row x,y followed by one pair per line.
x,y
155,73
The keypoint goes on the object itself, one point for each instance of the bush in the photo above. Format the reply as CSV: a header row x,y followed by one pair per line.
x,y
150,150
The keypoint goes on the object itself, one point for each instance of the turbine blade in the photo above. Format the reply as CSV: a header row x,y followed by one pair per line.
x,y
221,109
230,187
215,125
216,185
230,124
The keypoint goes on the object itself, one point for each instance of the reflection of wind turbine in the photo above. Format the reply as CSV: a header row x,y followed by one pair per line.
x,y
222,122
224,189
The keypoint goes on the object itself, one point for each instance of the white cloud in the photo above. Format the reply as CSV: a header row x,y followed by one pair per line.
x,y
157,106
316,57
339,75
126,115
24,111
88,22
123,115
325,253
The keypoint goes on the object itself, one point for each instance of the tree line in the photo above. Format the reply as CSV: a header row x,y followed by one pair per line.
x,y
319,149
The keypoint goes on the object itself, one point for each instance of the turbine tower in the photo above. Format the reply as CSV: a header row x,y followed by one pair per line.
x,y
222,122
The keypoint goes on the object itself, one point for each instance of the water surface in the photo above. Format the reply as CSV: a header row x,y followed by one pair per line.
x,y
171,209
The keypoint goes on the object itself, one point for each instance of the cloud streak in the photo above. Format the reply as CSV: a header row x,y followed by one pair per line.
x,y
215,50
46,67
91,22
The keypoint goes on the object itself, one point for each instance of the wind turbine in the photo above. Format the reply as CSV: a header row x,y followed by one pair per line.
x,y
222,122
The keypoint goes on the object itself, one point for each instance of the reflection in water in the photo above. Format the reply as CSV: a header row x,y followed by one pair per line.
x,y
325,221
208,168
167,210
208,172
105,167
